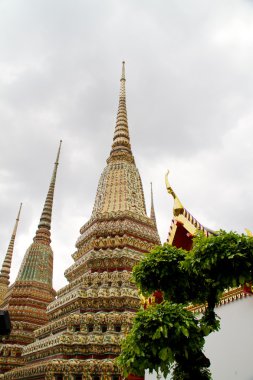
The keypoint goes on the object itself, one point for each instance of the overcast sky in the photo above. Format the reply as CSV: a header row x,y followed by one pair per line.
x,y
189,99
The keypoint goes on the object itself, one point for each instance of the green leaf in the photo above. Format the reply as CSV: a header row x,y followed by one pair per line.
x,y
242,279
185,331
165,331
157,334
165,353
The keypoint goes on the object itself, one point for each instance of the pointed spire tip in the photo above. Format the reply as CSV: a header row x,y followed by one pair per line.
x,y
152,211
121,140
123,71
58,154
19,210
44,227
6,266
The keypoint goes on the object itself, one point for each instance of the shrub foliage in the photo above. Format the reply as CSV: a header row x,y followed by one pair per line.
x,y
167,337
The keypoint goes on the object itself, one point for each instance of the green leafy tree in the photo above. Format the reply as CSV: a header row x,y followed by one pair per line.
x,y
167,337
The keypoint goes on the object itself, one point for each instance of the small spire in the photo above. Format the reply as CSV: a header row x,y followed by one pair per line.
x,y
152,210
6,266
44,227
121,140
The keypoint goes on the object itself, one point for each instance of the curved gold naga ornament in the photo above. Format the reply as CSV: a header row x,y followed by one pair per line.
x,y
168,186
248,232
178,207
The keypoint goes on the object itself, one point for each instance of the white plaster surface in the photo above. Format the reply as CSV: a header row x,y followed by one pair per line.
x,y
230,349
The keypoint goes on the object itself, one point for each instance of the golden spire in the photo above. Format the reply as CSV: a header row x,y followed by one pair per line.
x,y
178,207
121,140
152,209
6,267
44,227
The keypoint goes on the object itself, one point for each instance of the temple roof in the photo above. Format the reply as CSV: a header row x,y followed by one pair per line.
x,y
183,226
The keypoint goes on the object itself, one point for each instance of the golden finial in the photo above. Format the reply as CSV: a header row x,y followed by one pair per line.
x,y
58,153
178,207
121,140
123,76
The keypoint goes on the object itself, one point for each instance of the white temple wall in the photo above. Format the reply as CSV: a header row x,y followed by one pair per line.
x,y
230,349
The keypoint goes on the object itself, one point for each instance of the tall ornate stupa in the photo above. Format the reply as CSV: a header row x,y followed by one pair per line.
x,y
6,266
94,311
27,299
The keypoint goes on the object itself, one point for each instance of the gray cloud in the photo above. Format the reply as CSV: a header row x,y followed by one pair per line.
x,y
189,98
